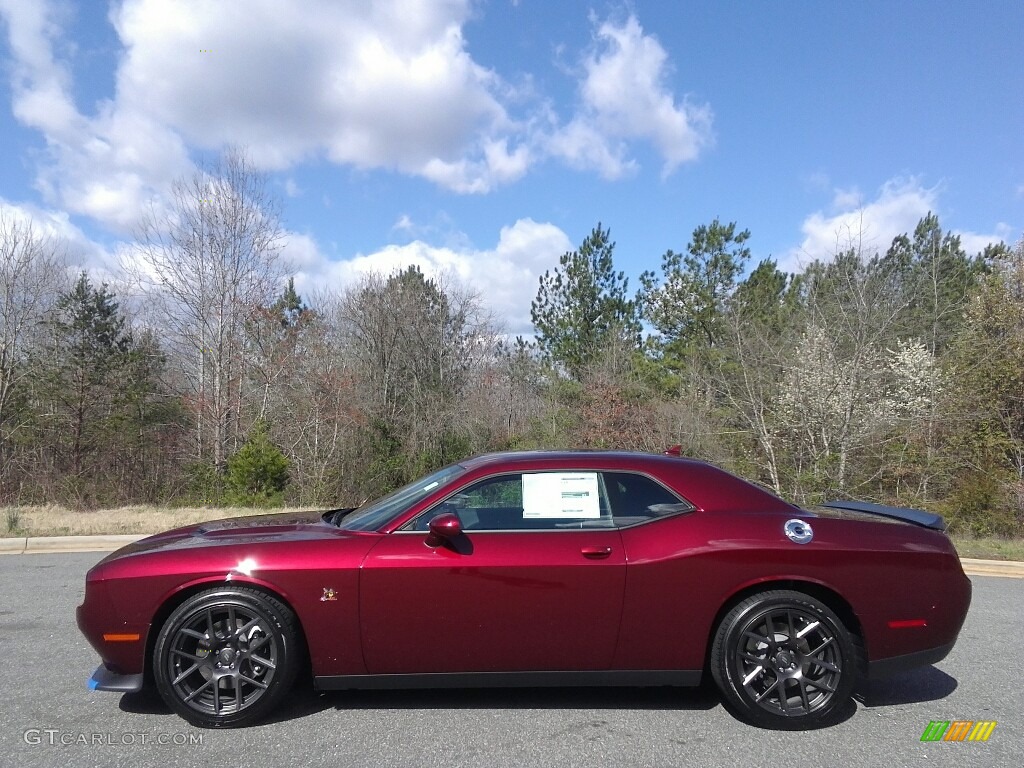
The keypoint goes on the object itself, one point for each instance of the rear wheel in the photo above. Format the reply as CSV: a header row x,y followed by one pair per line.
x,y
226,656
783,659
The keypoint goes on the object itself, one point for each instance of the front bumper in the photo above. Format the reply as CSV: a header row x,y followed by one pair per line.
x,y
104,679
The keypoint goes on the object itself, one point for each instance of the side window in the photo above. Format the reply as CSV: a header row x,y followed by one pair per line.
x,y
527,501
635,498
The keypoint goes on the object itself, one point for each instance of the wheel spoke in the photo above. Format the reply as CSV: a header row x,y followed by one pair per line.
x,y
185,674
758,670
827,665
769,689
192,633
188,655
760,638
216,697
822,685
803,695
822,647
260,642
257,683
260,660
197,691
808,628
244,629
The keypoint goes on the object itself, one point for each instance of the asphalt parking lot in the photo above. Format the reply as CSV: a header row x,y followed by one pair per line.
x,y
48,717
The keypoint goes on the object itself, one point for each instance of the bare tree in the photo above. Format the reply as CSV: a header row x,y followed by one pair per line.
x,y
208,260
832,403
416,345
31,275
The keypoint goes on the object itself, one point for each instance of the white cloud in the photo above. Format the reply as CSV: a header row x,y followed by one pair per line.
x,y
870,227
847,199
506,276
383,85
82,252
106,167
625,97
404,224
377,85
975,242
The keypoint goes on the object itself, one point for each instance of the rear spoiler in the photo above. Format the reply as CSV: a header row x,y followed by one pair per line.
x,y
916,516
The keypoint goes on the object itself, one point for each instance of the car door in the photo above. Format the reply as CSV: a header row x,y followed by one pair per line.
x,y
535,582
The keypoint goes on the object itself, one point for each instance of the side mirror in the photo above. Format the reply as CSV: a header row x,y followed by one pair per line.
x,y
442,528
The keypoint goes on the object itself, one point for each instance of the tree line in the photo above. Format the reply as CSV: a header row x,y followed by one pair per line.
x,y
203,376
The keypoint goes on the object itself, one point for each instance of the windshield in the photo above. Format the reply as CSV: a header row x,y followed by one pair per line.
x,y
377,513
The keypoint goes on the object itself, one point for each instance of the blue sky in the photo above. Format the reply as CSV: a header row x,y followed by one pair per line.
x,y
483,139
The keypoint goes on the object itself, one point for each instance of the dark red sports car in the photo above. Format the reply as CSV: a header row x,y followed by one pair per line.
x,y
534,569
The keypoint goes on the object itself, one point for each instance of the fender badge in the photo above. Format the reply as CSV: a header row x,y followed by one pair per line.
x,y
329,594
798,531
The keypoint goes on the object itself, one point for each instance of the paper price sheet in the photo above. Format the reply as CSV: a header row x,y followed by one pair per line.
x,y
562,495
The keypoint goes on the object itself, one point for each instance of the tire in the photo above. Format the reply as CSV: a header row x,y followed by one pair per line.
x,y
226,656
784,660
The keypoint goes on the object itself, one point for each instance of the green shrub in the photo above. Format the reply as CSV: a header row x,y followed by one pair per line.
x,y
257,474
205,484
13,519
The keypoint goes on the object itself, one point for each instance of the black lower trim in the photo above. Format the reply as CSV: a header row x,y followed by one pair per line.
x,y
885,667
625,678
105,680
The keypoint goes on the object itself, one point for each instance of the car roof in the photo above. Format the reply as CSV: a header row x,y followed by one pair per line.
x,y
583,457
706,486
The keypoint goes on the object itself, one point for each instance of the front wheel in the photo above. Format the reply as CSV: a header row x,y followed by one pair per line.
x,y
783,659
226,656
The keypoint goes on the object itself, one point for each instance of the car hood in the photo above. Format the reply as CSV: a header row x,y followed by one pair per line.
x,y
281,526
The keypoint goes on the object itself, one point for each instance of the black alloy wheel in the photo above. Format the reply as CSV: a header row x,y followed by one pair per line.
x,y
783,659
225,656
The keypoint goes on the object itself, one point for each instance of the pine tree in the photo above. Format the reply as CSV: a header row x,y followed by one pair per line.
x,y
89,351
258,472
583,308
688,306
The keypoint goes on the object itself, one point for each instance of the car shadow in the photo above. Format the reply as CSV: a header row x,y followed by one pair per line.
x,y
663,698
926,684
305,701
144,702
910,687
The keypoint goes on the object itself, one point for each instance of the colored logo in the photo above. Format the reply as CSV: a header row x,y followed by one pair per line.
x,y
958,730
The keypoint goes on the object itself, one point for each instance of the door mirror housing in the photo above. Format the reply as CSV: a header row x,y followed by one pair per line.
x,y
442,528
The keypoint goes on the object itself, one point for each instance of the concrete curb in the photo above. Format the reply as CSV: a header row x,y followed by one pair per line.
x,y
13,546
41,544
1008,568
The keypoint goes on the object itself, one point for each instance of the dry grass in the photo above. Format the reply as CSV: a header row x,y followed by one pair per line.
x,y
990,548
53,520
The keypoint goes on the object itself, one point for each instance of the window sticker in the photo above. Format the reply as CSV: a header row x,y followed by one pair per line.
x,y
431,486
560,495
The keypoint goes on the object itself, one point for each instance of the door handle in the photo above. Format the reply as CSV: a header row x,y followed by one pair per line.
x,y
596,553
